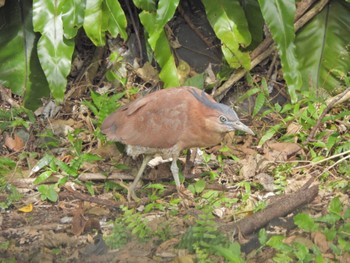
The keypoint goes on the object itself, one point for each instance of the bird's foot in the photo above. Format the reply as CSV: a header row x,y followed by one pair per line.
x,y
184,192
132,195
187,198
131,192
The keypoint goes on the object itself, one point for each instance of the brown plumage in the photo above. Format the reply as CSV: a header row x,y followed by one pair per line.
x,y
168,121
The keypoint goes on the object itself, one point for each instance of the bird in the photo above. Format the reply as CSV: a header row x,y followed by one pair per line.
x,y
168,121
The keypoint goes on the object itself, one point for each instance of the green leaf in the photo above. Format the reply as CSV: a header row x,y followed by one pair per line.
x,y
20,68
248,94
42,177
228,20
90,157
90,187
279,16
66,168
255,21
147,5
48,192
156,186
259,103
305,222
330,233
263,236
347,213
117,20
199,186
301,251
154,24
195,81
276,242
322,48
93,22
54,51
72,16
6,164
231,253
43,162
269,133
335,206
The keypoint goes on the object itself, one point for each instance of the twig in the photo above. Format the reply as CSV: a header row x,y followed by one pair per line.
x,y
136,30
345,95
92,199
323,160
100,176
336,163
333,101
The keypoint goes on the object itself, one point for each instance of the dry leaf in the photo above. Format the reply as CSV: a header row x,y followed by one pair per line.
x,y
62,127
148,73
266,181
293,128
78,222
26,209
276,151
249,167
15,144
321,241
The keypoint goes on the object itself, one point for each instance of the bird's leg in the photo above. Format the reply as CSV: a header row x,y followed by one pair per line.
x,y
175,171
183,192
131,188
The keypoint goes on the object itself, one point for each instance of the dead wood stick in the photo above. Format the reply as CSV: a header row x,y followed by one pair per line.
x,y
282,207
330,104
266,47
92,199
99,176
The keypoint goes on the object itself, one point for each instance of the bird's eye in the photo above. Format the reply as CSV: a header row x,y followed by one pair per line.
x,y
223,119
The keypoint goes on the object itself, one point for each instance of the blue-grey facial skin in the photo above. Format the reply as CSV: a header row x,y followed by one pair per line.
x,y
229,117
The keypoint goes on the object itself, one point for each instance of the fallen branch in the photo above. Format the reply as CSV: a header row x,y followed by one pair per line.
x,y
99,177
282,207
92,199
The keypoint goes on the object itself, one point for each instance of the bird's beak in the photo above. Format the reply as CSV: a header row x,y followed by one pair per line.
x,y
237,125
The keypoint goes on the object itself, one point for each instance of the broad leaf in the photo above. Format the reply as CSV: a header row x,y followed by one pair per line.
x,y
228,20
72,16
255,21
20,69
93,22
117,20
154,24
323,46
102,16
54,51
279,16
147,5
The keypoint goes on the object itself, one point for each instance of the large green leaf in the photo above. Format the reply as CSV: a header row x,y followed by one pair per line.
x,y
323,46
154,24
147,5
279,16
93,22
228,20
117,20
255,21
54,51
20,69
72,16
102,16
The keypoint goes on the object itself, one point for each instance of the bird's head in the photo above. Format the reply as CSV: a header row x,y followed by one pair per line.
x,y
220,117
